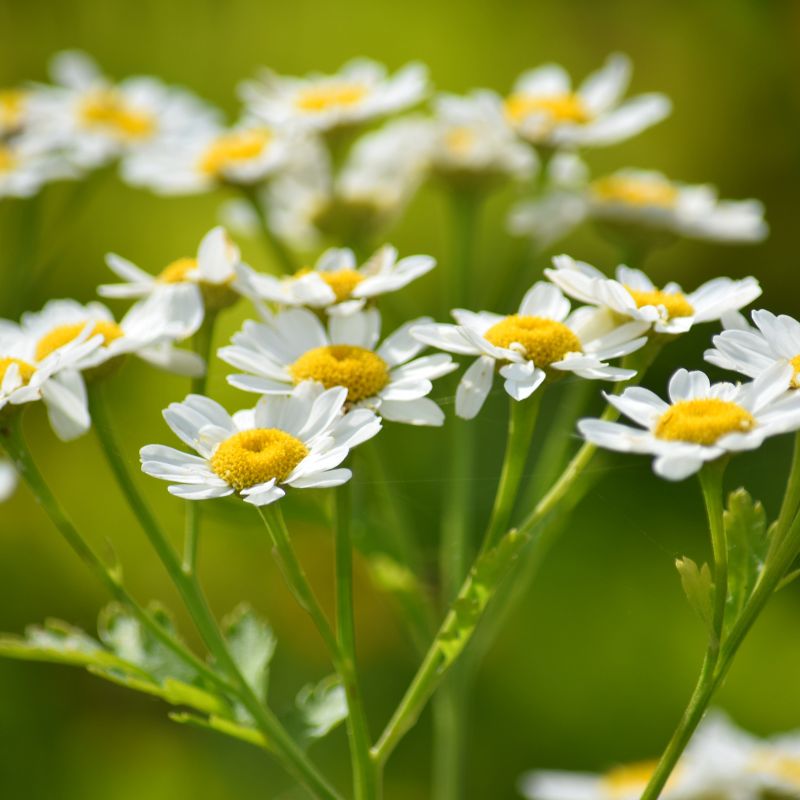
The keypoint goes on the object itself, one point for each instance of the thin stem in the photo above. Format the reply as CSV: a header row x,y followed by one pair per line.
x,y
791,499
282,255
711,482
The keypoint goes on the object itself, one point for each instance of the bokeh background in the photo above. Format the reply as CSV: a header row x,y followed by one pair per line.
x,y
594,668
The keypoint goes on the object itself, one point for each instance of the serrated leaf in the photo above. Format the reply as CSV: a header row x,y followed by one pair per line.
x,y
252,644
698,587
319,708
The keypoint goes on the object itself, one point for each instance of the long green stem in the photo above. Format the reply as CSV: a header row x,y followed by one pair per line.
x,y
290,754
283,258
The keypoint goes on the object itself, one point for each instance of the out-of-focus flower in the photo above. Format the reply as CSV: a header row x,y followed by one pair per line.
x,y
702,421
387,378
8,479
359,92
632,294
298,440
26,165
545,110
543,338
14,107
338,284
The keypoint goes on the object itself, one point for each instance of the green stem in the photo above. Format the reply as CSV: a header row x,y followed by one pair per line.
x,y
287,750
791,499
279,251
711,482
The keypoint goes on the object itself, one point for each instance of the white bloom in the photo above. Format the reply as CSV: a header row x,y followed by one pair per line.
x,y
208,281
634,295
14,108
26,165
360,92
147,330
338,284
542,336
98,120
298,440
650,199
8,479
295,347
545,110
702,421
28,375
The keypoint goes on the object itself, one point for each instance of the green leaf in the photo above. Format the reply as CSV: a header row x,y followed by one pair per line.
x,y
698,587
224,726
252,644
319,708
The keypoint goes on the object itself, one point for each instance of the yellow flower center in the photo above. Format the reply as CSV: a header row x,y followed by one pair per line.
x,y
560,108
257,456
328,96
177,271
459,141
635,191
362,372
7,159
233,148
26,371
543,340
64,334
784,767
12,105
703,421
107,109
675,303
795,362
621,781
341,281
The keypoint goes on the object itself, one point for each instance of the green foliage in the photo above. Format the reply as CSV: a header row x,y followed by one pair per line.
x,y
252,645
698,587
319,708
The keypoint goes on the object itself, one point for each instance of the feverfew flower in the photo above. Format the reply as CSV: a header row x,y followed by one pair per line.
x,y
295,347
26,165
652,200
360,92
702,421
298,440
14,107
545,110
542,339
634,295
205,283
336,282
147,331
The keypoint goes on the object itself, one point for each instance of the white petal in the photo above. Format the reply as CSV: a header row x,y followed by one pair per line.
x,y
474,387
413,412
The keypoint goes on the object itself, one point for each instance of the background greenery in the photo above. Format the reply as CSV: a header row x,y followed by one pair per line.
x,y
595,667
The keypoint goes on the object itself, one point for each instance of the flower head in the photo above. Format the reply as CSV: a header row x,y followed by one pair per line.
x,y
296,347
544,108
298,440
633,295
26,165
543,338
701,422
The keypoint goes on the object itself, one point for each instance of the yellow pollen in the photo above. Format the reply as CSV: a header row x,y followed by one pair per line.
x,y
543,340
635,191
107,109
64,334
325,97
257,456
675,303
795,362
566,107
233,148
459,141
621,781
26,371
342,281
12,105
177,271
703,421
362,372
7,159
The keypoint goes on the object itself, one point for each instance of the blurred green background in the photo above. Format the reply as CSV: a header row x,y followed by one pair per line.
x,y
596,665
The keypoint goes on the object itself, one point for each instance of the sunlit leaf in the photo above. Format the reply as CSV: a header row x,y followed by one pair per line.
x,y
252,644
698,587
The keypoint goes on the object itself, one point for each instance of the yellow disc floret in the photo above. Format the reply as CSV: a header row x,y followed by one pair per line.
x,y
64,334
362,372
7,159
26,370
107,109
675,303
342,281
703,421
12,107
560,108
635,191
459,141
543,340
232,149
177,271
326,97
257,456
795,362
626,780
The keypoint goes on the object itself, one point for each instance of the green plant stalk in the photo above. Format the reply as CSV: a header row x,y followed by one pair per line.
x,y
791,498
281,254
287,750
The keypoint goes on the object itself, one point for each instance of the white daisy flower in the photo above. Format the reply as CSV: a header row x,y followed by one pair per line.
x,y
148,331
244,155
542,339
650,199
8,479
360,92
27,165
544,109
336,282
702,421
296,347
14,108
753,350
473,141
632,294
298,440
28,375
98,120
206,282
